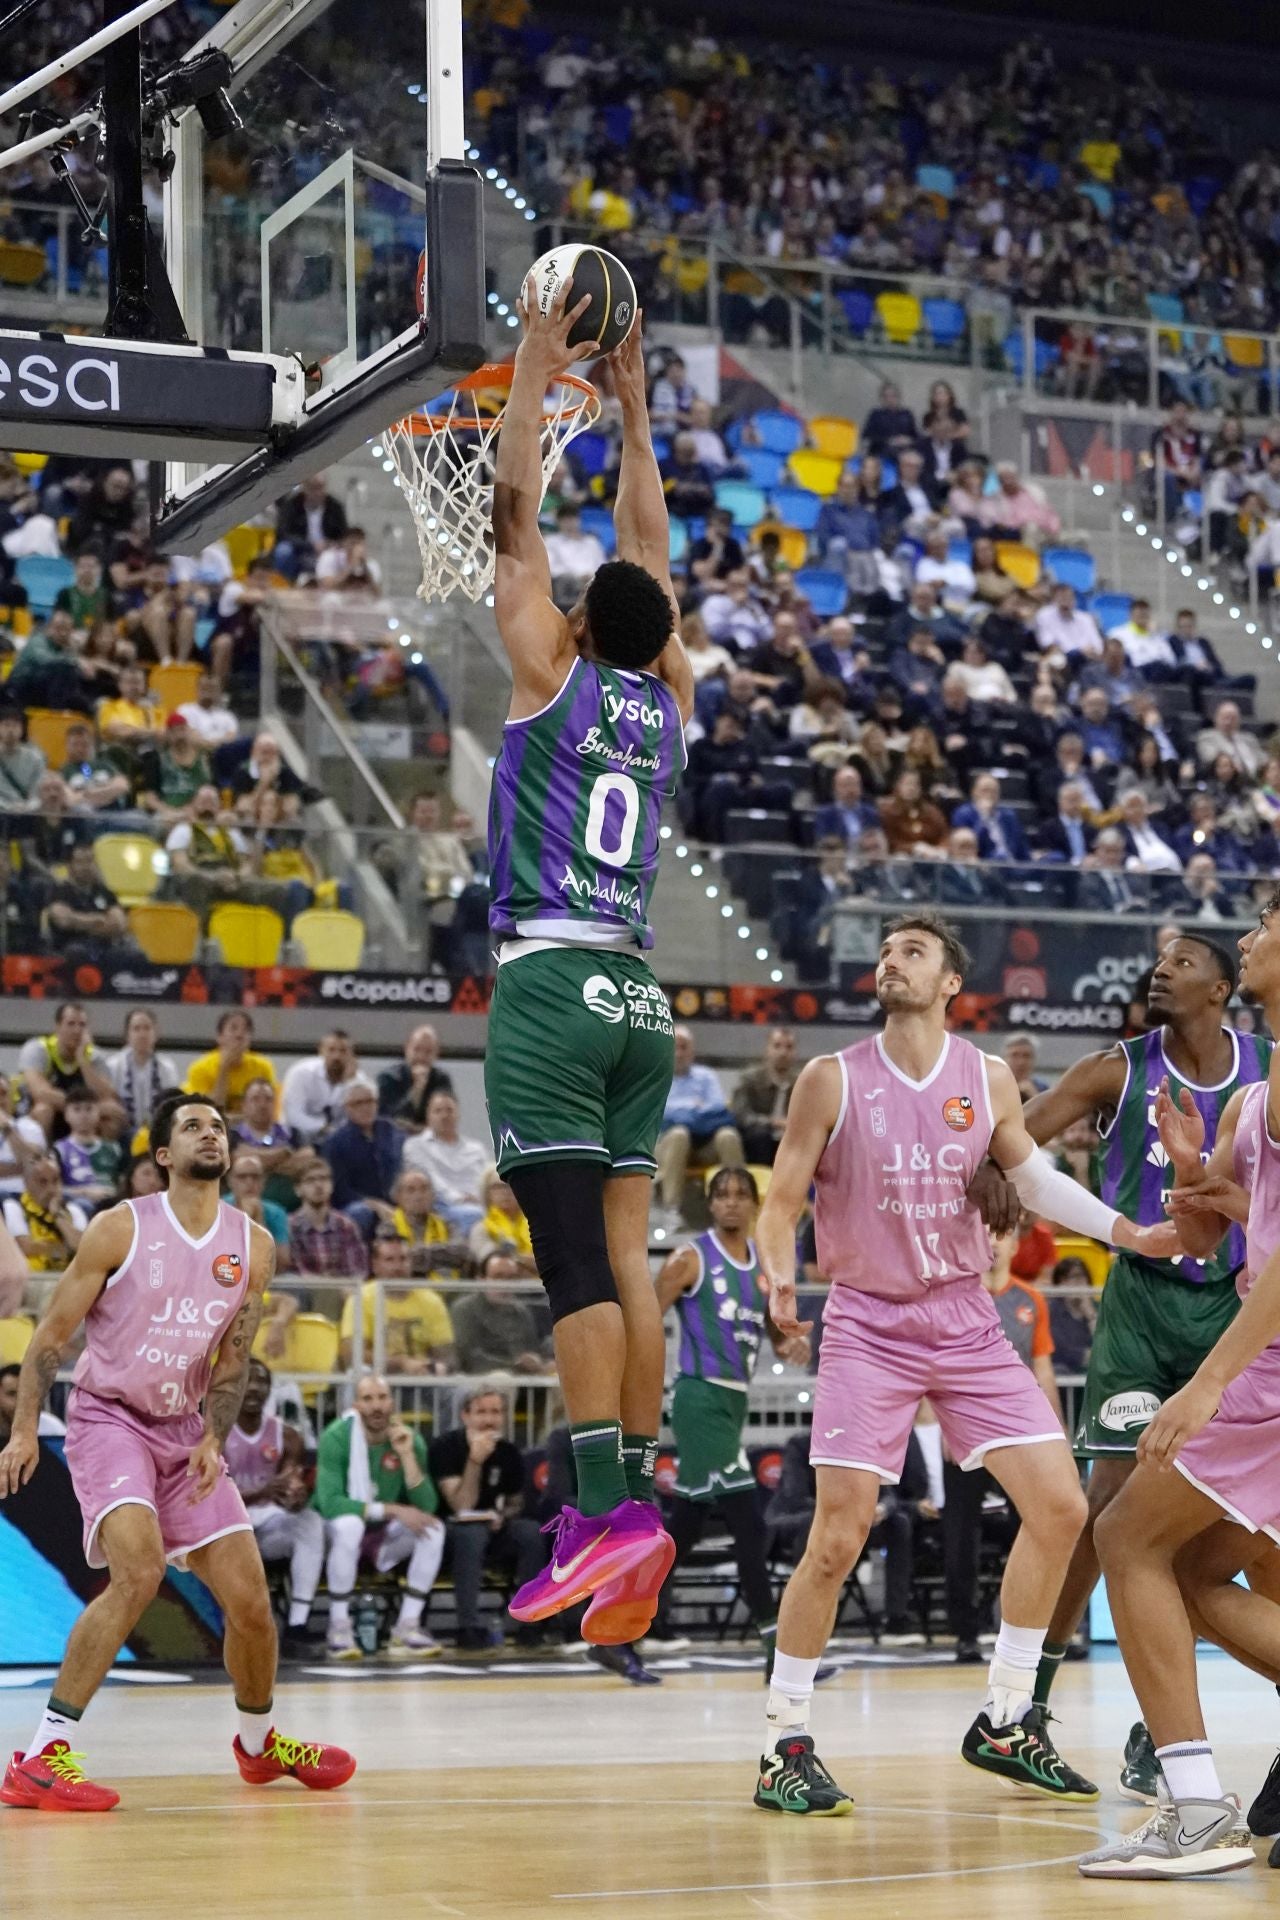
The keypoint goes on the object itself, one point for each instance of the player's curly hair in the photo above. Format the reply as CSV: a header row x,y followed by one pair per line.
x,y
724,1178
628,614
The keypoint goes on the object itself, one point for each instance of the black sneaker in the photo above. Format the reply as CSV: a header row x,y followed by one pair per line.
x,y
1024,1754
302,1643
1140,1774
1264,1814
794,1780
626,1663
969,1654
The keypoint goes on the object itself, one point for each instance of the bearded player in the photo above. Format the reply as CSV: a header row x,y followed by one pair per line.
x,y
169,1290
890,1133
581,1041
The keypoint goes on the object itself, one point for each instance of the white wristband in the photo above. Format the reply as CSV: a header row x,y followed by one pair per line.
x,y
375,1512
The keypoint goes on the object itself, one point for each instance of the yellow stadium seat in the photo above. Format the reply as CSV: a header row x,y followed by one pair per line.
x,y
29,462
819,472
248,936
15,1338
1074,1246
329,937
167,931
901,317
174,683
1245,350
311,1344
1019,562
245,544
830,434
132,864
22,263
792,544
47,729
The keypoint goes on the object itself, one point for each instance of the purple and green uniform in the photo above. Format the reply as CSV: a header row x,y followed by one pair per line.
x,y
1157,1318
581,1041
722,1322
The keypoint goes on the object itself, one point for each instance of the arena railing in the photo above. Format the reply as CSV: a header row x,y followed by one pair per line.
x,y
70,281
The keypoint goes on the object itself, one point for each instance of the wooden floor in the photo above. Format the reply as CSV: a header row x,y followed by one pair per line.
x,y
579,1797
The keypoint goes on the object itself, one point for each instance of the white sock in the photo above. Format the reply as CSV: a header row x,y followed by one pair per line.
x,y
299,1612
1011,1675
410,1612
790,1693
53,1726
254,1728
1189,1770
340,1612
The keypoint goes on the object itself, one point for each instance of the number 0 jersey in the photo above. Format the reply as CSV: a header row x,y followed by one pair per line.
x,y
576,806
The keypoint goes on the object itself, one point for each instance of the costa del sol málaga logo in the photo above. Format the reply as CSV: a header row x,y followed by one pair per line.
x,y
603,998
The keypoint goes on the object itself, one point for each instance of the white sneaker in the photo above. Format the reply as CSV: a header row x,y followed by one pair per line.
x,y
1182,1837
341,1643
412,1643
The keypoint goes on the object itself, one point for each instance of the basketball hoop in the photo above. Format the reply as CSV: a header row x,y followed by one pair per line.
x,y
445,454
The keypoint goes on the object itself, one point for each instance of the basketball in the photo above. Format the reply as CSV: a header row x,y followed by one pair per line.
x,y
612,313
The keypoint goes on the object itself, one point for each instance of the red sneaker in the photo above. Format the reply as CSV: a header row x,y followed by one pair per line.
x,y
54,1782
316,1765
623,1611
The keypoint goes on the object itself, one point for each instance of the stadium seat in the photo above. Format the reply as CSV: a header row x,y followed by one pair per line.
x,y
599,520
591,453
946,321
858,308
677,541
779,432
167,931
797,507
174,683
745,502
1070,567
47,729
827,593
1166,306
43,576
1076,1247
819,472
1246,352
832,434
245,543
900,318
763,467
246,936
132,865
935,179
793,546
15,1338
1047,356
22,263
329,937
1019,562
961,549
1110,610
311,1345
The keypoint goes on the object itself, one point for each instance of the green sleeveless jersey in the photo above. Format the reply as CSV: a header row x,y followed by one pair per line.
x,y
1130,1170
575,810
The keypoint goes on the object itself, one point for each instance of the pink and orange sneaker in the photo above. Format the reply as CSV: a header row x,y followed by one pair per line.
x,y
589,1553
53,1781
315,1765
623,1611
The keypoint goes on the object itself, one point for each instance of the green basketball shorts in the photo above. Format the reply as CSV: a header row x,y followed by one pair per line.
x,y
707,1421
1152,1334
579,1061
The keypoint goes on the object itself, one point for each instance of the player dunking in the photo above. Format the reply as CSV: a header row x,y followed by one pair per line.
x,y
891,1132
1222,1434
1157,1319
169,1289
581,1040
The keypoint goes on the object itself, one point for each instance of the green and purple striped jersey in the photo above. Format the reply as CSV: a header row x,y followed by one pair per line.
x,y
1130,1167
576,807
722,1316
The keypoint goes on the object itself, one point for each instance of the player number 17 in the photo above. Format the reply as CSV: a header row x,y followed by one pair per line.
x,y
932,1264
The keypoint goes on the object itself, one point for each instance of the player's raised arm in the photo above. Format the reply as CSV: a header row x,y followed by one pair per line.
x,y
104,1246
1205,1197
1056,1195
1088,1086
534,632
230,1373
811,1119
640,521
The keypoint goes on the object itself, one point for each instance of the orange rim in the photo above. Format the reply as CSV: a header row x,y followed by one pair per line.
x,y
496,377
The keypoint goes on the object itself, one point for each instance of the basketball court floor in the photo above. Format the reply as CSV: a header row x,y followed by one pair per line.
x,y
572,1795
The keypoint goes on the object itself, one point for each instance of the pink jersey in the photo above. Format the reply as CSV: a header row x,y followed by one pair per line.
x,y
890,1212
152,1331
1256,1158
253,1459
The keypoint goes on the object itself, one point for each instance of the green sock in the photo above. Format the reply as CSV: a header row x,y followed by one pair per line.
x,y
597,1455
1051,1659
639,1457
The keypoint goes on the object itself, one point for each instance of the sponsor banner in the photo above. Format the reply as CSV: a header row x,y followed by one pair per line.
x,y
48,380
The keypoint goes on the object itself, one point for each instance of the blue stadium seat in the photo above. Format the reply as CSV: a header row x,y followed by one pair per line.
x,y
858,307
1047,355
779,432
1166,306
599,520
745,502
827,593
796,507
1070,567
44,577
946,321
764,468
960,549
590,453
932,179
678,545
1110,610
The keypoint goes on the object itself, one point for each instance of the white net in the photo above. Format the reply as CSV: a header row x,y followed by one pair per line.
x,y
444,458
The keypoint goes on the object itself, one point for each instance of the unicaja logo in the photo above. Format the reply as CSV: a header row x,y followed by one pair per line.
x,y
603,998
1125,1411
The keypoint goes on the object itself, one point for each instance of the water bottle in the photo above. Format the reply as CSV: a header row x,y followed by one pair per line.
x,y
367,1622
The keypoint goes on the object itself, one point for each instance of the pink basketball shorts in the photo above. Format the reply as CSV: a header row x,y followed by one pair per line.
x,y
880,1358
119,1458
1234,1459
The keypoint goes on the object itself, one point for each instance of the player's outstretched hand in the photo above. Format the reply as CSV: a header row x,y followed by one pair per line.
x,y
995,1198
203,1467
1160,1242
627,364
1179,1420
546,336
18,1461
782,1306
1218,1195
1181,1129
